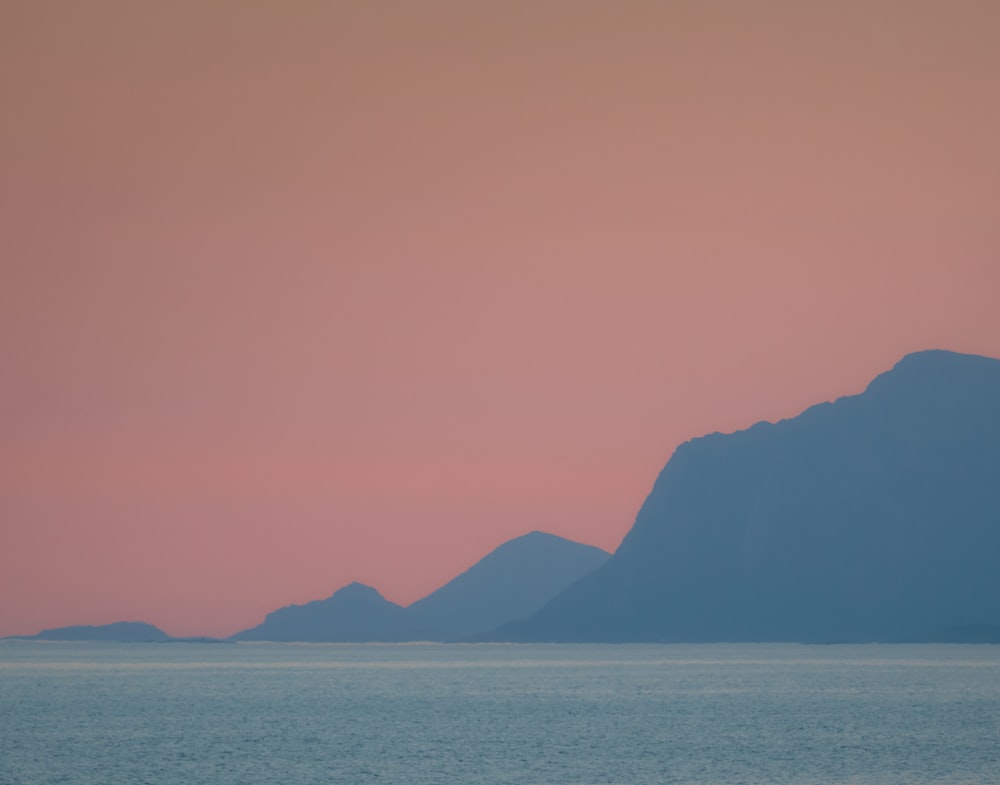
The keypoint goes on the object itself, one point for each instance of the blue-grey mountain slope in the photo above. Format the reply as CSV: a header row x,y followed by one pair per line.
x,y
355,613
510,583
875,517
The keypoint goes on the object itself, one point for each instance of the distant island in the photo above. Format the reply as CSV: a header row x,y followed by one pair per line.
x,y
120,631
872,518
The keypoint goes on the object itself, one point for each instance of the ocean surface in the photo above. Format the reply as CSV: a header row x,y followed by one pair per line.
x,y
221,714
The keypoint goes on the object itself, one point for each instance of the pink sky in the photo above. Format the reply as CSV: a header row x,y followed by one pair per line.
x,y
307,293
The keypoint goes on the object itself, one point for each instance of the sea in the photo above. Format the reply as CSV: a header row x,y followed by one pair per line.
x,y
485,714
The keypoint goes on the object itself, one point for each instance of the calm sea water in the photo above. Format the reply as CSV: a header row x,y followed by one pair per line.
x,y
477,714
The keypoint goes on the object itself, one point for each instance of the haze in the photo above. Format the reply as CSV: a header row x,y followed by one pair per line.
x,y
304,293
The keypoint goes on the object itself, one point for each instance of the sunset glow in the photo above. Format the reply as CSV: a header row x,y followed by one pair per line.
x,y
307,293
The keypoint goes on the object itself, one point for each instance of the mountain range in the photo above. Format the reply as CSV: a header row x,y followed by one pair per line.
x,y
872,518
875,517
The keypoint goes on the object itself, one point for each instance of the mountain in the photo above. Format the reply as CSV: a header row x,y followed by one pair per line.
x,y
875,517
122,631
510,583
354,613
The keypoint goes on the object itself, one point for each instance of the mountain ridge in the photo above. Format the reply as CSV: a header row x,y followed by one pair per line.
x,y
510,582
872,517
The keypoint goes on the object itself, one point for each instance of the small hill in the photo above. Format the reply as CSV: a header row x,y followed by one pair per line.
x,y
354,613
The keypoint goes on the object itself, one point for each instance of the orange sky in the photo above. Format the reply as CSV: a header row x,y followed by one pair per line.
x,y
296,294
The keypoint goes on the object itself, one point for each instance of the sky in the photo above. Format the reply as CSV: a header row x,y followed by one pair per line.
x,y
301,293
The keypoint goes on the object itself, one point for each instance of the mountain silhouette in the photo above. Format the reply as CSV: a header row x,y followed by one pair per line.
x,y
872,518
510,583
354,613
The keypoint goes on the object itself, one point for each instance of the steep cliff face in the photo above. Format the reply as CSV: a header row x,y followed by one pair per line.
x,y
876,517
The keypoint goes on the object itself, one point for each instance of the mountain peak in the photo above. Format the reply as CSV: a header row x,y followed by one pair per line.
x,y
510,583
937,366
938,356
355,612
356,590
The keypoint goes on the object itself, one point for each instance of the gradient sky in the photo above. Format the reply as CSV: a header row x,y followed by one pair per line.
x,y
299,293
